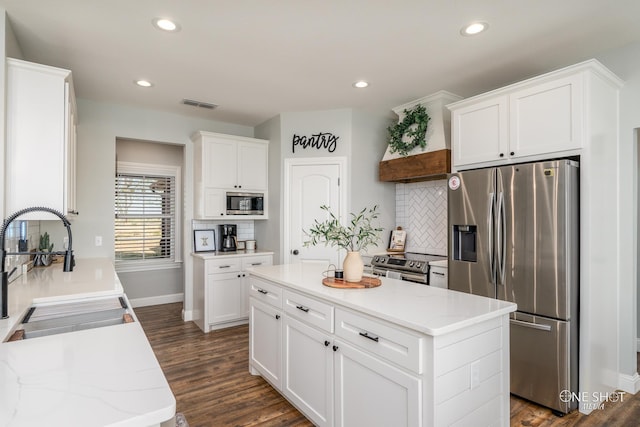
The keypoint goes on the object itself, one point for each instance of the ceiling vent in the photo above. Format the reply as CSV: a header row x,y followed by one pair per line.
x,y
199,104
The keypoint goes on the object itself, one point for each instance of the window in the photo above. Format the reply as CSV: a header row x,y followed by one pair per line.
x,y
146,216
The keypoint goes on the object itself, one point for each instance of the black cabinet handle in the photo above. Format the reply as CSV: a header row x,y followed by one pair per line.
x,y
277,317
295,252
238,275
335,348
73,212
303,308
512,153
244,275
371,337
501,154
437,273
262,291
326,343
256,263
224,266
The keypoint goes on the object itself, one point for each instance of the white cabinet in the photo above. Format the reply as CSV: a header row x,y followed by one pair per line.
x,y
228,163
265,341
308,370
225,284
40,139
543,117
371,392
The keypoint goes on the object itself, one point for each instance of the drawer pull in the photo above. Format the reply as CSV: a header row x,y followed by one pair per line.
x,y
437,273
326,343
303,308
256,263
262,291
224,266
277,317
371,337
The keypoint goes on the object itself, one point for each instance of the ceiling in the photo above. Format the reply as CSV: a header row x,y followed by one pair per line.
x,y
258,58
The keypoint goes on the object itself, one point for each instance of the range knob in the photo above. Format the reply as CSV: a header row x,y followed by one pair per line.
x,y
418,265
411,264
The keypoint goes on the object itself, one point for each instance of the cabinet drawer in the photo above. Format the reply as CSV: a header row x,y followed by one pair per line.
x,y
222,265
256,261
309,310
438,277
267,292
382,339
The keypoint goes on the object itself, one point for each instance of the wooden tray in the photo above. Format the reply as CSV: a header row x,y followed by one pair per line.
x,y
366,282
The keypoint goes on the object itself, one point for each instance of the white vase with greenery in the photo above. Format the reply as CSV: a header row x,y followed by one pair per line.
x,y
355,236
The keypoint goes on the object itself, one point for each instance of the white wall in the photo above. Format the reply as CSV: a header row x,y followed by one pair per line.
x,y
625,62
99,125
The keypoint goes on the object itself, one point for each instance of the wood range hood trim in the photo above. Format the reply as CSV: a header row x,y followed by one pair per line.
x,y
427,166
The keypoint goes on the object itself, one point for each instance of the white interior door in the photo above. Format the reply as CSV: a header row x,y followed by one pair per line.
x,y
311,183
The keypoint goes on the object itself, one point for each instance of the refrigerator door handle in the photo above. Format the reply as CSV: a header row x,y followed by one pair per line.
x,y
490,238
501,242
530,325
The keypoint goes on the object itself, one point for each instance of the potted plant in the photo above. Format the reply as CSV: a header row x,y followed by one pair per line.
x,y
356,235
43,259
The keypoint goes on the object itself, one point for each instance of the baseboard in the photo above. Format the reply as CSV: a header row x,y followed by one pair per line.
x,y
629,383
157,300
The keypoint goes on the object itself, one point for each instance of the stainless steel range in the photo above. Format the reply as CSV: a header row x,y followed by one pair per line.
x,y
410,266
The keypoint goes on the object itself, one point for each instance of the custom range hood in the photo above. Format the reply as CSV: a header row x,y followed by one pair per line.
x,y
432,162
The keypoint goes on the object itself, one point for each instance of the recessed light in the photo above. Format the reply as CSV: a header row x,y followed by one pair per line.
x,y
360,84
165,25
474,28
143,83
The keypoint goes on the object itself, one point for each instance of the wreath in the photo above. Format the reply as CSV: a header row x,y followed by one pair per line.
x,y
416,134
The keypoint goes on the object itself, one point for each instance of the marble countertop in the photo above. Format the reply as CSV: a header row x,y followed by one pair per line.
x,y
241,253
106,376
432,311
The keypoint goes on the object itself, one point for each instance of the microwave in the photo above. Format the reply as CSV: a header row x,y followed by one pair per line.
x,y
245,203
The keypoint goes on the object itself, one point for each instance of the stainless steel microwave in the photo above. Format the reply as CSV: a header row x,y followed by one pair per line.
x,y
245,203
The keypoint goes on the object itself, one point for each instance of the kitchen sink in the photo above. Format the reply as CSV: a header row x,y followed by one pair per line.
x,y
74,316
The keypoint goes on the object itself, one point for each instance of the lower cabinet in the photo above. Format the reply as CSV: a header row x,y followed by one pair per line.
x,y
265,341
221,294
308,371
372,392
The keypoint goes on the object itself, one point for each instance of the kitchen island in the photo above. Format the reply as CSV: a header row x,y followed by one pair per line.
x,y
97,377
397,354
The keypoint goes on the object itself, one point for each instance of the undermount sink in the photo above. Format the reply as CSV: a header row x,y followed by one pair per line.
x,y
54,319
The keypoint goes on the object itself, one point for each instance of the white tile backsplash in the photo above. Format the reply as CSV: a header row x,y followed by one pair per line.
x,y
245,228
421,209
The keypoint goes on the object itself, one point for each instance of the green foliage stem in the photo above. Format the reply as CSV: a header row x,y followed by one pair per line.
x,y
357,235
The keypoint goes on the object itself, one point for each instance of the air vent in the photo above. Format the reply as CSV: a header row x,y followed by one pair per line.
x,y
199,104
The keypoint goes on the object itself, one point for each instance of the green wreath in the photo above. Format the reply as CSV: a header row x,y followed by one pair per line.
x,y
417,116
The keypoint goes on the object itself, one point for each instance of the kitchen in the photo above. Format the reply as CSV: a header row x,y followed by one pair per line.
x,y
101,123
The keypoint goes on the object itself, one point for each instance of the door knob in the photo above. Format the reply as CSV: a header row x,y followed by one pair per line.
x,y
295,252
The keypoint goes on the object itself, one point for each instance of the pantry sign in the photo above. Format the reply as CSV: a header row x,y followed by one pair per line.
x,y
318,141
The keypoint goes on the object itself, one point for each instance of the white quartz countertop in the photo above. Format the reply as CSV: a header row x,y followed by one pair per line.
x,y
426,309
106,376
241,253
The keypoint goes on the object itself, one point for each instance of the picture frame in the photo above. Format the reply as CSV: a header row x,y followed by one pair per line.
x,y
397,239
204,240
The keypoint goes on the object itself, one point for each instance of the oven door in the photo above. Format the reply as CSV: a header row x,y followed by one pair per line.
x,y
423,279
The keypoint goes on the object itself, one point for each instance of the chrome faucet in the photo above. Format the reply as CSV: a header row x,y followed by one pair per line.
x,y
68,254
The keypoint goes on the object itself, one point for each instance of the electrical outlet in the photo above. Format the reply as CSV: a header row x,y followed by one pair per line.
x,y
98,240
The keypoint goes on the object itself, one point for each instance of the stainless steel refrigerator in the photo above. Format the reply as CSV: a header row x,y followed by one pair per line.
x,y
513,235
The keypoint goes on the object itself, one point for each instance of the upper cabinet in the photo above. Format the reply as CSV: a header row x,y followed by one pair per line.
x,y
228,163
542,117
41,140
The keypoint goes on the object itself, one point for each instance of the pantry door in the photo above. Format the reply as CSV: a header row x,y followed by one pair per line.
x,y
309,184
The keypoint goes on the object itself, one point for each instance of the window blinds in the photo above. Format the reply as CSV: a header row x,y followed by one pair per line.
x,y
145,217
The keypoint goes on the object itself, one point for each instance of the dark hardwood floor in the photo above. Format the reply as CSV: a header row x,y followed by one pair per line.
x,y
209,375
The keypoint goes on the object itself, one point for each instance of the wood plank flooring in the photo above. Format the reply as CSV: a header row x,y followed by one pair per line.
x,y
209,375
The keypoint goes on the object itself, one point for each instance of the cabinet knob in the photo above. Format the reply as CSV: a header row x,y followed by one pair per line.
x,y
501,154
238,275
277,317
335,348
512,153
326,343
295,252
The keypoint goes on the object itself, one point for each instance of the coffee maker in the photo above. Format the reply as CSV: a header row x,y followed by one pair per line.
x,y
227,237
